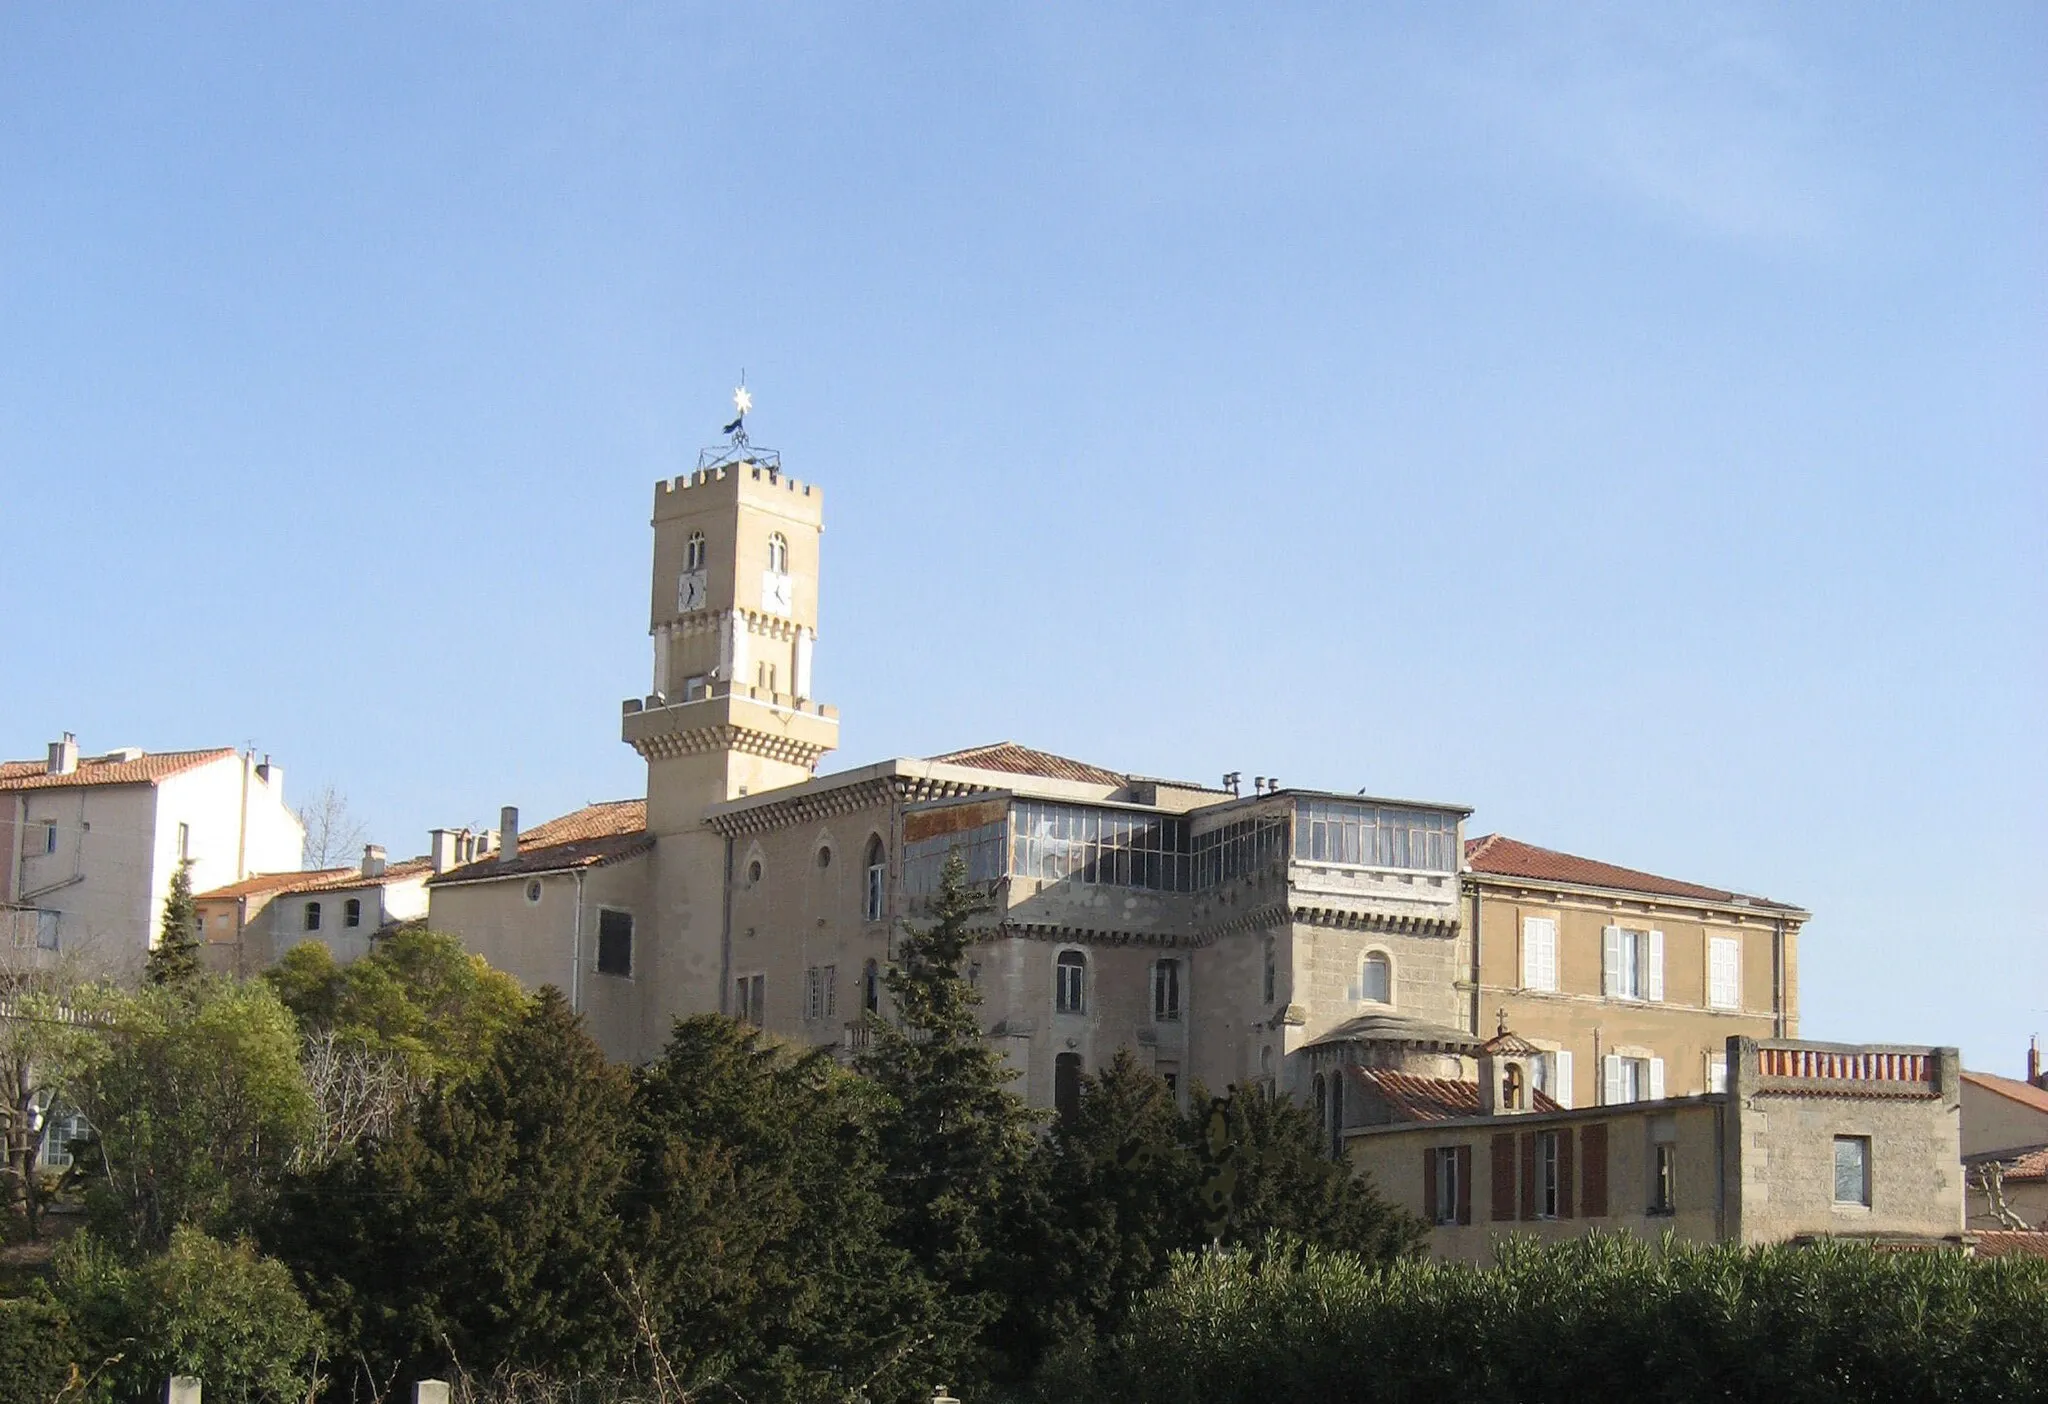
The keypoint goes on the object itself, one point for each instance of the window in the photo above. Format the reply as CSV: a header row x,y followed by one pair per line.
x,y
693,552
871,988
824,855
1166,991
1513,1090
1717,1072
1632,964
1322,1101
1724,972
778,553
1627,1079
878,879
46,931
50,836
62,1129
1539,953
1663,1178
1102,847
184,841
1374,836
821,992
1447,1184
750,999
696,688
1376,978
754,872
312,916
1272,972
1549,1173
1066,1084
1070,983
614,942
1336,1105
352,912
533,892
1852,1170
1553,1075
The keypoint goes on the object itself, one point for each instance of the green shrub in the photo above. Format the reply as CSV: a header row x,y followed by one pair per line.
x,y
1598,1318
36,1349
220,1311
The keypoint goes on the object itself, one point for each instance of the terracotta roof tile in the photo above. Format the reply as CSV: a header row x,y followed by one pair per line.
x,y
2031,1166
2024,1093
146,769
319,880
1499,855
1412,1098
2000,1243
587,838
1022,760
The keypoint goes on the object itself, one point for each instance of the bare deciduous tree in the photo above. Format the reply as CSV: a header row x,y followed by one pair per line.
x,y
51,1031
356,1093
333,834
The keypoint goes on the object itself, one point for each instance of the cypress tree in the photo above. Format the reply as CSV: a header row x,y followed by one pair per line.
x,y
958,1143
174,960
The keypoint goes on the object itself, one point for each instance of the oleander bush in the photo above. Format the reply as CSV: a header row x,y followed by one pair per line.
x,y
1605,1317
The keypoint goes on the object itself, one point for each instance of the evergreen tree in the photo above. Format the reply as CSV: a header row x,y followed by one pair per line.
x,y
759,1257
174,961
484,1230
958,1144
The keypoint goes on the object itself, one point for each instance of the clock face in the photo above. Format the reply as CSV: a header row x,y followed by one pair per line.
x,y
690,591
776,593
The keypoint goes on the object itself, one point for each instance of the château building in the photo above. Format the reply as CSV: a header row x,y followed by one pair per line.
x,y
1225,938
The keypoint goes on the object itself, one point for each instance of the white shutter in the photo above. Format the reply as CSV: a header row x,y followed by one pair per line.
x,y
1561,1076
1531,959
1610,962
1610,1080
1717,1072
1724,972
1656,1079
1654,979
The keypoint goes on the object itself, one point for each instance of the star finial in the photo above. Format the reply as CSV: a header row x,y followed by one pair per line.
x,y
742,400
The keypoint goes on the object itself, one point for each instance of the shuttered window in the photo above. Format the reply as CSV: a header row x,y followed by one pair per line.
x,y
1447,1184
1724,972
1539,953
1630,1079
614,942
1528,1174
1631,963
1593,1170
1502,1156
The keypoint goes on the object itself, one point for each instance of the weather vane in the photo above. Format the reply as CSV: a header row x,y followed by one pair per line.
x,y
737,449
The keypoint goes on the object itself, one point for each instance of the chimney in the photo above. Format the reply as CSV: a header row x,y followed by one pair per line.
x,y
373,860
64,755
441,849
508,832
272,774
2034,1060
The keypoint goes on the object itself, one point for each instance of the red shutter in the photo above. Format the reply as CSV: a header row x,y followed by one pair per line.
x,y
1528,1174
1429,1186
1464,1184
1503,1177
1564,1173
1593,1153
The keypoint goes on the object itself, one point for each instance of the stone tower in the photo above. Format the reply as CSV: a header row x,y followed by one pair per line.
x,y
733,614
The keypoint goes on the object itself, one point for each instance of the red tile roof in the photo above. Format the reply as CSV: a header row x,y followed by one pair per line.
x,y
1412,1098
146,769
1501,856
2032,1166
1999,1243
1022,760
2025,1093
587,838
319,880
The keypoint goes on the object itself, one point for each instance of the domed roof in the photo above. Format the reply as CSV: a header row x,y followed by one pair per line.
x,y
1387,1027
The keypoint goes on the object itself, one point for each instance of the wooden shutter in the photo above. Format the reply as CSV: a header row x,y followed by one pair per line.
x,y
1503,1158
1464,1161
1561,1077
1564,1172
1610,961
1656,1079
1653,978
1593,1157
1528,1174
1429,1187
1610,1080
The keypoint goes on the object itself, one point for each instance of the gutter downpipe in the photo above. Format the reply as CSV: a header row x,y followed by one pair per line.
x,y
576,951
1478,994
1778,978
725,934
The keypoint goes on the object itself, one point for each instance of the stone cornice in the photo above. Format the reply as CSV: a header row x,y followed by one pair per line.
x,y
1396,923
1620,898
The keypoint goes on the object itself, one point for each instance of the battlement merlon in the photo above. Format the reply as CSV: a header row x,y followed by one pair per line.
x,y
751,483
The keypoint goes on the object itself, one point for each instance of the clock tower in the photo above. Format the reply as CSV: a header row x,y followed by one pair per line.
x,y
733,614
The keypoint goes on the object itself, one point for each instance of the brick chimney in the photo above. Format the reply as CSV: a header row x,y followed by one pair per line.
x,y
2034,1061
373,860
64,755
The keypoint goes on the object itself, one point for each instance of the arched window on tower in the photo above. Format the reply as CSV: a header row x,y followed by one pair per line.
x,y
778,553
1070,986
878,879
871,988
694,552
1376,979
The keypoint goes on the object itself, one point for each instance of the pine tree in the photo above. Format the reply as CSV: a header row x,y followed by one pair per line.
x,y
174,960
959,1145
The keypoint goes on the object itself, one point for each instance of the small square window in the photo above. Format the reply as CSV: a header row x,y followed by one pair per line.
x,y
1852,1170
614,942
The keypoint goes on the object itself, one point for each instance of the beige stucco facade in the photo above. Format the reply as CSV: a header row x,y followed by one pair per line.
x,y
1767,1161
248,925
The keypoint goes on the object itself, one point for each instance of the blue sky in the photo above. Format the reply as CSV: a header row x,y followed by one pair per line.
x,y
1627,421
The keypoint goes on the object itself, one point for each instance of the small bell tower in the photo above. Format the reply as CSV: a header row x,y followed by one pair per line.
x,y
1507,1066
